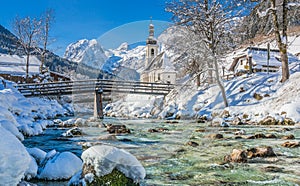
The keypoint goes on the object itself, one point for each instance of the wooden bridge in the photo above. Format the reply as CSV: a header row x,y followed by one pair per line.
x,y
96,86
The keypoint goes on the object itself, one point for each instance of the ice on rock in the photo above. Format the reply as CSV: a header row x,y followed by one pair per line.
x,y
106,158
14,159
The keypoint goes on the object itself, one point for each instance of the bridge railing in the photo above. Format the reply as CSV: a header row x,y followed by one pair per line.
x,y
84,86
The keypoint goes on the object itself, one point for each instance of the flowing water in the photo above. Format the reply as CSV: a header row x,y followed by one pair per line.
x,y
169,160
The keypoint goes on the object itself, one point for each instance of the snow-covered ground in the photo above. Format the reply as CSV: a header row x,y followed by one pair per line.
x,y
16,65
278,99
19,117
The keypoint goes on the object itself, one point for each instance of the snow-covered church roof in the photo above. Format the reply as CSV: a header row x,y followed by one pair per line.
x,y
161,61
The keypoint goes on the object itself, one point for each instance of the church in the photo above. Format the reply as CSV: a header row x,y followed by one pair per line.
x,y
158,67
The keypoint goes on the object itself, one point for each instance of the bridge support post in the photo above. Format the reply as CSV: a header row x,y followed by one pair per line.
x,y
98,104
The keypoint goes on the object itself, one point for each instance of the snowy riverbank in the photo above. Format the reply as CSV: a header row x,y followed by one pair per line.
x,y
19,117
253,96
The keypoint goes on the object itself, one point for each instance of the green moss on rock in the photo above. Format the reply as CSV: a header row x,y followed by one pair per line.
x,y
115,178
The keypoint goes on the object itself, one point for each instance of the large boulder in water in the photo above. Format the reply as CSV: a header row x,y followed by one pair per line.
x,y
59,166
111,165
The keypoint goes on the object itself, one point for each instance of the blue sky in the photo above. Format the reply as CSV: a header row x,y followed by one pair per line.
x,y
90,19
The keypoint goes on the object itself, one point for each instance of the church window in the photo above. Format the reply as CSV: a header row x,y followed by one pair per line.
x,y
158,77
152,52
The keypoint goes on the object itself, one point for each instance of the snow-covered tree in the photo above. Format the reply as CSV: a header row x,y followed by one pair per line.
x,y
33,35
27,31
47,19
210,20
191,53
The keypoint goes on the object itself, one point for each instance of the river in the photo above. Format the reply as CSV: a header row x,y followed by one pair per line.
x,y
169,160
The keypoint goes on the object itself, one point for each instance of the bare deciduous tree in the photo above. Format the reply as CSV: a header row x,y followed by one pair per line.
x,y
210,19
27,31
47,20
33,35
281,36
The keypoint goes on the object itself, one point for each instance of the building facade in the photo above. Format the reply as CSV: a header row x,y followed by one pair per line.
x,y
158,67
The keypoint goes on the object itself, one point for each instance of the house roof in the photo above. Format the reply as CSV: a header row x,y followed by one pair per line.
x,y
259,57
161,61
16,65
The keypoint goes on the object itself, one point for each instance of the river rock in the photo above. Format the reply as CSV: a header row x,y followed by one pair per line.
x,y
260,152
192,144
237,121
200,130
291,144
108,137
259,136
59,166
117,129
225,114
79,122
242,156
272,169
200,121
237,156
215,136
106,164
68,123
288,121
240,132
271,136
269,120
257,96
287,137
73,132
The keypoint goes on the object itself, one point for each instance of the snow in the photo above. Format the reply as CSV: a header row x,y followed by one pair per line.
x,y
88,52
14,159
21,116
106,158
189,102
133,106
60,166
32,170
38,154
16,65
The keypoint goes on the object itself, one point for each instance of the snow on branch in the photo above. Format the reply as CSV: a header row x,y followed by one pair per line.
x,y
265,13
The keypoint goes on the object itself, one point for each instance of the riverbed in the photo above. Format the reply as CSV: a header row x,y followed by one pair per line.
x,y
180,153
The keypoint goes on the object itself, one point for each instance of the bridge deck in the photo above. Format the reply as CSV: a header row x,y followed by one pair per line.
x,y
86,86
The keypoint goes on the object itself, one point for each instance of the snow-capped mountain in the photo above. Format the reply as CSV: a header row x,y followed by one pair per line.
x,y
131,56
88,52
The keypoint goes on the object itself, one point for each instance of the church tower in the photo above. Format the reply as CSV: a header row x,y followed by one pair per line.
x,y
151,47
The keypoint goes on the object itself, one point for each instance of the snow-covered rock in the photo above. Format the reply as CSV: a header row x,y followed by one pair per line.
x,y
72,132
32,170
105,159
38,154
14,159
80,122
60,166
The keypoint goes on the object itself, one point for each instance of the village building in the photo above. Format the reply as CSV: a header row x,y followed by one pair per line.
x,y
158,67
260,58
13,67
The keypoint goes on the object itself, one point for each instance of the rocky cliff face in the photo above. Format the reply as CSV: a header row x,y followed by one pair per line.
x,y
259,22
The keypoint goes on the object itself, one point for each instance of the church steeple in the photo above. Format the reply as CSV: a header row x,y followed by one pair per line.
x,y
151,39
152,47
